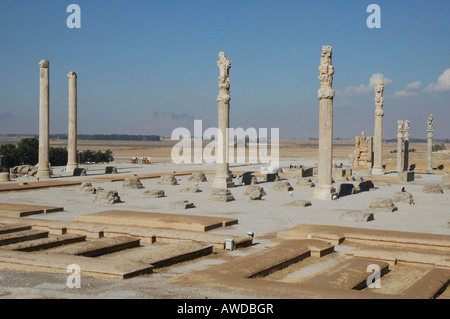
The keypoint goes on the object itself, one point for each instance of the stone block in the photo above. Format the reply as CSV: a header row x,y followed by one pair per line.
x,y
190,190
79,172
221,195
305,183
4,177
299,203
303,172
111,170
282,186
357,217
181,204
155,193
167,180
365,186
382,205
198,177
403,198
107,198
405,177
255,192
87,188
347,189
432,189
132,183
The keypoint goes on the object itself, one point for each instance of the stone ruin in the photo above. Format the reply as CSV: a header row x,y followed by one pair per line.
x,y
432,189
282,186
255,192
132,183
167,180
363,154
198,177
382,205
181,204
305,183
221,195
155,193
107,197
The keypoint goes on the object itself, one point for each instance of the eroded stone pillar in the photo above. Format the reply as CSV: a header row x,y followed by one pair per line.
x,y
378,132
324,189
430,123
223,178
72,131
399,146
44,120
406,151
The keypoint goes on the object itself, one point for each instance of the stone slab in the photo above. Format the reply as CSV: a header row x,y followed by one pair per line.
x,y
157,220
162,255
147,235
429,286
21,236
27,186
406,256
98,247
22,210
12,228
55,263
45,243
349,274
369,236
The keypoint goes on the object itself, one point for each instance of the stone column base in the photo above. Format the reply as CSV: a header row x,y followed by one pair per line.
x,y
377,171
71,167
44,173
222,182
324,193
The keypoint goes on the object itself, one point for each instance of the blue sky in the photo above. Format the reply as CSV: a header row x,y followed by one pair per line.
x,y
133,57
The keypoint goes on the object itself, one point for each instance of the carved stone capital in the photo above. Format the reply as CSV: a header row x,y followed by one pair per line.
x,y
44,64
326,71
72,74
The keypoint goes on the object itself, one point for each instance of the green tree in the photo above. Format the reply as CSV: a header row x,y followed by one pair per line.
x,y
58,156
10,155
28,149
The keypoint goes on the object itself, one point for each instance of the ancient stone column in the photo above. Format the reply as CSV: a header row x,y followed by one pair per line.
x,y
223,178
72,132
406,151
324,189
399,146
430,144
44,120
378,132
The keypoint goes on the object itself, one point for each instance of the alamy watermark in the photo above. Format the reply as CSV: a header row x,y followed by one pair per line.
x,y
74,20
74,280
249,146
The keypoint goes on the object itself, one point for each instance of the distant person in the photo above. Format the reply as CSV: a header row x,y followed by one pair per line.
x,y
403,190
353,178
362,179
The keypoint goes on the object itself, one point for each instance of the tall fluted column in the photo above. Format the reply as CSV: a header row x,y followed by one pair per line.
x,y
324,189
223,177
399,146
378,132
72,131
430,123
44,130
406,151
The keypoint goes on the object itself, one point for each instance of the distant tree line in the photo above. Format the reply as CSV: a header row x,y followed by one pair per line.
x,y
26,152
109,137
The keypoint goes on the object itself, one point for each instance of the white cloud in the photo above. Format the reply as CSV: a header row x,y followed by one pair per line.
x,y
404,93
442,84
362,89
414,85
410,90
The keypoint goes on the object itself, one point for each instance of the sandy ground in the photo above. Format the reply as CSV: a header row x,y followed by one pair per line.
x,y
265,218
